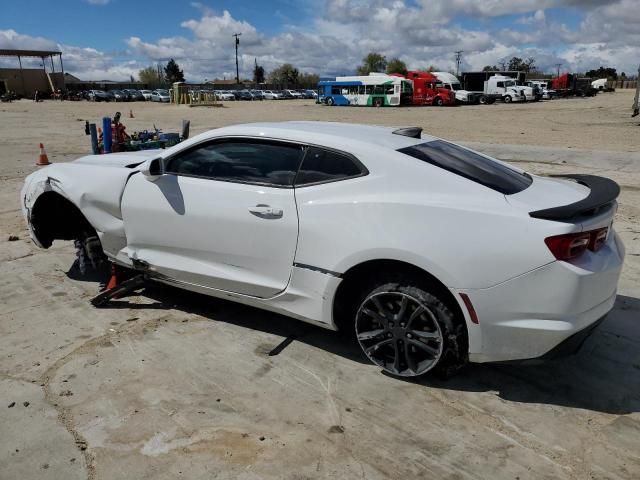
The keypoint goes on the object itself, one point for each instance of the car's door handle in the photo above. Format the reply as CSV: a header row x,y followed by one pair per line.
x,y
266,211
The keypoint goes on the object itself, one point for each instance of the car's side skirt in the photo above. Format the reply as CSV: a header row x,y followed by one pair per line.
x,y
309,296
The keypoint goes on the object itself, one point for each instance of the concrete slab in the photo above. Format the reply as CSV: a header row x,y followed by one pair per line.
x,y
168,384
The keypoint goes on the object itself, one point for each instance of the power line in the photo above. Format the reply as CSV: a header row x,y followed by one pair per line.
x,y
237,35
458,59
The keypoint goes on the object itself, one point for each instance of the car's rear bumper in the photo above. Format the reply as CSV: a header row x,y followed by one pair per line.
x,y
530,315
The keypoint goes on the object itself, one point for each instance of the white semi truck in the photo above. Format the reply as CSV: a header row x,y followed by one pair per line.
x,y
484,87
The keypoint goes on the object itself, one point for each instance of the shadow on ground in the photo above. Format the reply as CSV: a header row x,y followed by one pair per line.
x,y
603,376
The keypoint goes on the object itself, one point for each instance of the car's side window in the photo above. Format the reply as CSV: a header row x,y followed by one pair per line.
x,y
320,165
240,161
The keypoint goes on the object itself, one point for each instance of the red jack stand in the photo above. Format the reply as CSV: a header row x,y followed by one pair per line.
x,y
117,287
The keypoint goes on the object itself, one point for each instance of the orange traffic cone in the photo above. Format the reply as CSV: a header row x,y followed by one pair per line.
x,y
43,159
113,280
131,114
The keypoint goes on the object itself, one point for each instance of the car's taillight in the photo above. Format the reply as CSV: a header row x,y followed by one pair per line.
x,y
598,239
572,245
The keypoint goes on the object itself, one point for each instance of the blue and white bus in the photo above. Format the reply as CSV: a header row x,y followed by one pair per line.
x,y
373,90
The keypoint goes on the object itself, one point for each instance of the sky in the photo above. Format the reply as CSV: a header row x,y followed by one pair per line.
x,y
114,39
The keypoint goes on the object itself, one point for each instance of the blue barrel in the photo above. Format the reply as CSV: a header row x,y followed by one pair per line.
x,y
106,134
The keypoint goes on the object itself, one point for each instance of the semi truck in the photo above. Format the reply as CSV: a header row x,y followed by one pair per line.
x,y
451,82
494,87
474,81
569,84
428,89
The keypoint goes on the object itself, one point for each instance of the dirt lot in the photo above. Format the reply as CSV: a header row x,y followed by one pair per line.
x,y
174,385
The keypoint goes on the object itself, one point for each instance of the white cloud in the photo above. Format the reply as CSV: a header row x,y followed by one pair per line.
x,y
98,2
422,33
10,39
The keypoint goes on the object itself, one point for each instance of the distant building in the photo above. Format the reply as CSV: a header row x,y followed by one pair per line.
x,y
229,83
25,81
74,83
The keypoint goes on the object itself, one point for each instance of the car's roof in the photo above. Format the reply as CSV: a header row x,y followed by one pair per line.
x,y
329,133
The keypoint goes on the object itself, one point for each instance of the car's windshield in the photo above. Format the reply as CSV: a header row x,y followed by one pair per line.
x,y
470,165
456,86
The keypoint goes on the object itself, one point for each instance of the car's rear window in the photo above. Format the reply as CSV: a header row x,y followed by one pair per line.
x,y
470,165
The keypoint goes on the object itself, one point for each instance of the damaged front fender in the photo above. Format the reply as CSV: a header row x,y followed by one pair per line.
x,y
94,190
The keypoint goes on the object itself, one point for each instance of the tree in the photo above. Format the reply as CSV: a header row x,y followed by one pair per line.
x,y
151,77
308,80
132,79
173,73
373,62
258,73
396,65
603,72
517,64
284,75
490,68
430,68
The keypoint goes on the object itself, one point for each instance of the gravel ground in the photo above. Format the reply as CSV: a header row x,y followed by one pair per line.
x,y
168,384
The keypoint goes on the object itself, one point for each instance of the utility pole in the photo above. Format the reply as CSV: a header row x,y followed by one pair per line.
x,y
458,58
237,43
558,65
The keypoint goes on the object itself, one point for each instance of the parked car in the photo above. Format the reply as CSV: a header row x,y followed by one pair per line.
x,y
519,266
548,94
292,93
243,95
160,96
257,94
146,94
224,95
135,95
309,94
120,95
99,96
271,95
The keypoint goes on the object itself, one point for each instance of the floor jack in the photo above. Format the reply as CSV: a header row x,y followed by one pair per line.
x,y
117,288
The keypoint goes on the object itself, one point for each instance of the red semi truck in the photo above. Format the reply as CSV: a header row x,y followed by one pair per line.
x,y
570,84
428,90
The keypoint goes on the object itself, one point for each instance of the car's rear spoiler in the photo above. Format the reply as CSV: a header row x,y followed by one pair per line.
x,y
603,193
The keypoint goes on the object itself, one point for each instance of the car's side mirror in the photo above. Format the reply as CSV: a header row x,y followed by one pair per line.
x,y
153,169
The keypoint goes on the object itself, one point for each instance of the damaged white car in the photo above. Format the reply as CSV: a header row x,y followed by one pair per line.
x,y
430,253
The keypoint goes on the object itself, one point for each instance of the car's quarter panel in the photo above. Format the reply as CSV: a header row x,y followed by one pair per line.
x,y
202,231
463,233
529,315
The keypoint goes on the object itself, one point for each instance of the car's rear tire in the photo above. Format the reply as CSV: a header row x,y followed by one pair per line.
x,y
438,102
330,101
407,330
507,99
483,100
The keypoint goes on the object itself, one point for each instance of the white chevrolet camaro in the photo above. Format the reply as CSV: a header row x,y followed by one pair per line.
x,y
430,254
